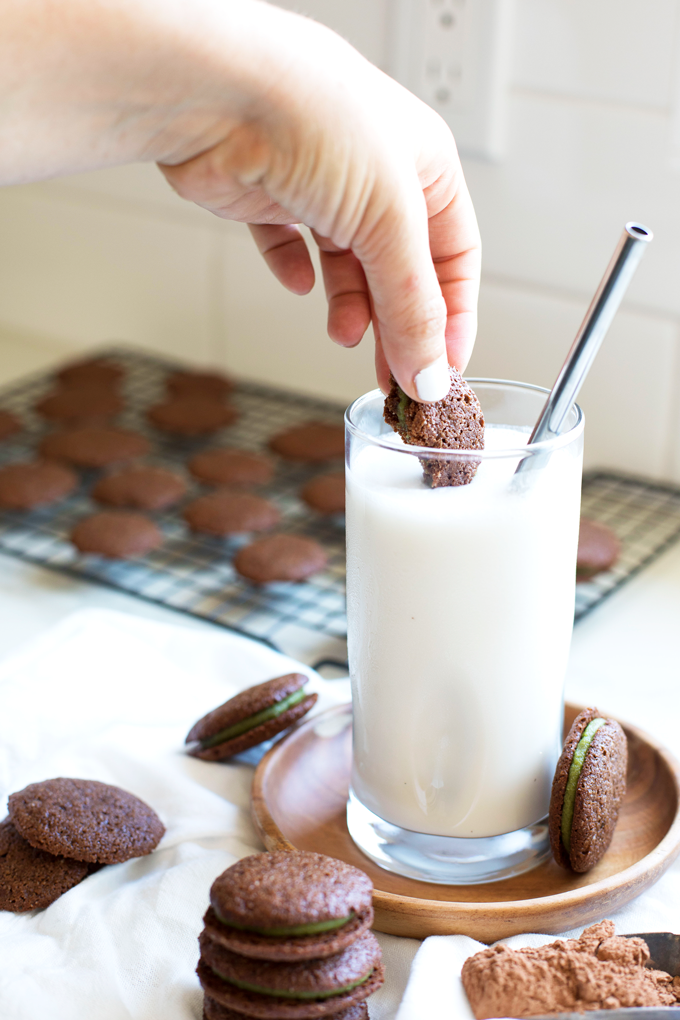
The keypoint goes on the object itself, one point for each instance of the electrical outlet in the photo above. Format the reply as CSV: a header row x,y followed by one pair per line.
x,y
455,55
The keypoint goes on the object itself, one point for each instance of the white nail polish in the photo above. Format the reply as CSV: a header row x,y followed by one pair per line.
x,y
433,383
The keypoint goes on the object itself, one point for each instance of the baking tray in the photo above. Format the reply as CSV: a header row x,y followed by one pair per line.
x,y
193,573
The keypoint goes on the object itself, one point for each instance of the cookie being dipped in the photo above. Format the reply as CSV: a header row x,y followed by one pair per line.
x,y
289,906
454,423
587,791
251,716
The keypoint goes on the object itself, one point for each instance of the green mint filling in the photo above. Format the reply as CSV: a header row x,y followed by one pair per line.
x,y
254,720
287,994
573,778
313,928
404,401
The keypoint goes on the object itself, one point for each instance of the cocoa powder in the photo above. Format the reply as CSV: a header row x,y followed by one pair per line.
x,y
597,971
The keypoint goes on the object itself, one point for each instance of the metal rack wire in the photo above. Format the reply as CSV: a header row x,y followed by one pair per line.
x,y
194,574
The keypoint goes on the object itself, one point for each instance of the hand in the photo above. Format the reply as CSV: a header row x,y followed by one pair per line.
x,y
333,143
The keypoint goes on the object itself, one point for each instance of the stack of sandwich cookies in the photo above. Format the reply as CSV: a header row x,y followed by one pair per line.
x,y
587,791
250,717
60,830
287,936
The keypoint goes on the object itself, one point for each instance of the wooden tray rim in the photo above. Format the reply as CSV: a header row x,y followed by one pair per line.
x,y
652,865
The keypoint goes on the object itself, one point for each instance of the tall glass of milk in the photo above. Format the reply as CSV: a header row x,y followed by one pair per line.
x,y
460,604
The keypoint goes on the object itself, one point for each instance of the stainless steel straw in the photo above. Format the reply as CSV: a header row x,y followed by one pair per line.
x,y
630,249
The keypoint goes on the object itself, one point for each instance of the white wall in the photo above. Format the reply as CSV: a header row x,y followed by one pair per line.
x,y
593,140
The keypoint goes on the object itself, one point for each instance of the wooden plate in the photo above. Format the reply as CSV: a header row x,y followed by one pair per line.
x,y
298,802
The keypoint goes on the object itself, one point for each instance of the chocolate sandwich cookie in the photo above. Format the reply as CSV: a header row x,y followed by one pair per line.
x,y
142,486
213,1010
598,549
117,534
192,415
587,791
31,879
80,404
291,991
326,494
9,425
253,715
38,483
289,906
280,558
95,446
454,423
227,466
312,442
98,372
200,384
85,820
229,513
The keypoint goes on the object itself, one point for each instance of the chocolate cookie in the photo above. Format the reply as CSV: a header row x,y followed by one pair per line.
x,y
142,486
192,415
326,494
454,423
95,447
85,820
118,534
212,1010
253,715
9,425
73,404
200,384
227,466
31,879
291,991
228,513
289,906
280,558
313,442
598,549
587,791
24,486
98,372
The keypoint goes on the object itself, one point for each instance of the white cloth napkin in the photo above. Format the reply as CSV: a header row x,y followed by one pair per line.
x,y
111,697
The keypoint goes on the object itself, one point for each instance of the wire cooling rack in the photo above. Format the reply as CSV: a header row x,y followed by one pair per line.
x,y
644,515
194,573
191,573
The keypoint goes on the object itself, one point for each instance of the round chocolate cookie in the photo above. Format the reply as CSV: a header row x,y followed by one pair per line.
x,y
31,879
213,1010
228,513
24,486
280,558
313,442
192,415
85,820
587,791
253,715
95,447
117,534
74,404
296,906
200,384
98,372
454,423
291,991
326,494
598,549
227,466
9,425
142,486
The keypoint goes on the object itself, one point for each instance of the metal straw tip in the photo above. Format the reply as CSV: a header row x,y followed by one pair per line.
x,y
638,231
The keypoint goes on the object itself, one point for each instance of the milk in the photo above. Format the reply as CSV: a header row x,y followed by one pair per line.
x,y
460,606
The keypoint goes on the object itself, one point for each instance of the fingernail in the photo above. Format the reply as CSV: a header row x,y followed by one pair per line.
x,y
433,383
